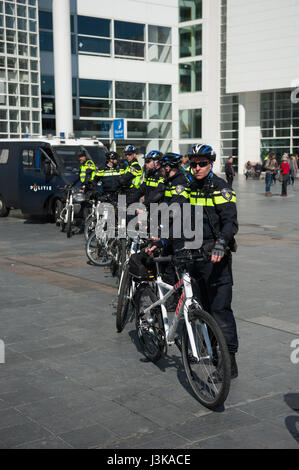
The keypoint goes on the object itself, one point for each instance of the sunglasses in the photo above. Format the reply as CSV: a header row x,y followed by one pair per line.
x,y
201,164
130,153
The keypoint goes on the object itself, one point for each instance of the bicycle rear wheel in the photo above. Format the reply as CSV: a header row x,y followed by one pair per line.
x,y
214,359
123,301
149,327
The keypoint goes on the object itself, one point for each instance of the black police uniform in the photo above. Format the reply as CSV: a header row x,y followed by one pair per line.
x,y
212,282
110,178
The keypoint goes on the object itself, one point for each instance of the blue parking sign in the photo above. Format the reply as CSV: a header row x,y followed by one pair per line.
x,y
118,129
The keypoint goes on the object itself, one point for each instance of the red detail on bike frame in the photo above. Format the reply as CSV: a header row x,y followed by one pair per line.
x,y
178,284
179,304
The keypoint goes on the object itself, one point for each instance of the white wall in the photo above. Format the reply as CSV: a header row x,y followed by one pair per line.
x,y
262,44
249,128
160,12
209,99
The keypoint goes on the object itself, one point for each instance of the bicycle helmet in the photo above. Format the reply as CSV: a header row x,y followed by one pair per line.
x,y
172,159
112,155
154,155
130,149
202,150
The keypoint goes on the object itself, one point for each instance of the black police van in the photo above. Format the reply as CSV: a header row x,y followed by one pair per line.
x,y
34,171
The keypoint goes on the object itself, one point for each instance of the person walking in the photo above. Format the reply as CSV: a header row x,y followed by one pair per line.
x,y
292,161
229,171
285,173
271,168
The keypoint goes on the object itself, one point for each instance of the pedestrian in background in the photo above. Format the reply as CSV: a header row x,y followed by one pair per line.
x,y
284,175
229,171
292,161
271,168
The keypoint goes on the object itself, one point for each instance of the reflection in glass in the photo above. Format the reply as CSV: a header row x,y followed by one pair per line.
x,y
48,105
129,49
160,110
130,90
191,41
159,92
130,109
190,76
157,53
95,108
190,124
159,34
190,10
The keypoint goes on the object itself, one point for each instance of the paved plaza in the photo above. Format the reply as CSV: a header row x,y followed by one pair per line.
x,y
71,381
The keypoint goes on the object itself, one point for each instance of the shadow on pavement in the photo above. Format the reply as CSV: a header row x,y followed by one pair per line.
x,y
292,422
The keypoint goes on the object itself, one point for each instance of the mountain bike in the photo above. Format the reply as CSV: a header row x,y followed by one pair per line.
x,y
127,286
72,206
201,342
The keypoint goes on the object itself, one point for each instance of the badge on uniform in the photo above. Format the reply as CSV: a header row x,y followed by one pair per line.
x,y
227,194
179,189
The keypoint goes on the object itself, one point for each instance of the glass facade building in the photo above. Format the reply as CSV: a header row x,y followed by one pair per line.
x,y
20,106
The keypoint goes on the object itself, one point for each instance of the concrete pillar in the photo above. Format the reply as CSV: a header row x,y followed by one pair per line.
x,y
242,121
62,67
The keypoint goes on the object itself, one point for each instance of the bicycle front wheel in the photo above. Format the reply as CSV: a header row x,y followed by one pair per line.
x,y
149,327
209,374
96,252
123,301
90,225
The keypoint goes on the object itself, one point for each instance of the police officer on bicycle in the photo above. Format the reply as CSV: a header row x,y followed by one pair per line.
x,y
110,177
213,279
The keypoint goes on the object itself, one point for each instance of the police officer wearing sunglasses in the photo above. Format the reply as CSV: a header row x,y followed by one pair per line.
x,y
213,279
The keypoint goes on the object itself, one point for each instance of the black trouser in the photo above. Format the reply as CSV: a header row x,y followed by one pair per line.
x,y
285,179
230,179
212,285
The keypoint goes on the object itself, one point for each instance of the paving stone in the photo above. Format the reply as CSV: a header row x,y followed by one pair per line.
x,y
88,437
15,435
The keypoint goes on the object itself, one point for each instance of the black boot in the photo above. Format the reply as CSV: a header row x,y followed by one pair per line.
x,y
216,376
234,367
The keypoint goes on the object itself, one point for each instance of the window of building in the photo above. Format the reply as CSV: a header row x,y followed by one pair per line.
x,y
130,31
94,45
130,109
46,41
128,49
48,105
45,20
95,88
190,41
94,26
190,76
159,40
190,123
95,108
190,10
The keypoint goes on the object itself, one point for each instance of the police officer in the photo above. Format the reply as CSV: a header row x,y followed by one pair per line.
x,y
213,279
86,171
153,186
132,175
110,176
85,176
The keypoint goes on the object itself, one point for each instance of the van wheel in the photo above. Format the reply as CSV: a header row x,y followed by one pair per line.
x,y
4,211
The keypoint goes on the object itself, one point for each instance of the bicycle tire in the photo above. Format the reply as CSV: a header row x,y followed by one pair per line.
x,y
69,224
90,225
199,374
95,252
121,257
123,301
150,330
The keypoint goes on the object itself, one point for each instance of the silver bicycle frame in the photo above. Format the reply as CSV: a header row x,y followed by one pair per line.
x,y
182,308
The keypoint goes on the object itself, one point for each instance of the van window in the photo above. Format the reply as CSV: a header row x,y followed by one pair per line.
x,y
28,159
4,153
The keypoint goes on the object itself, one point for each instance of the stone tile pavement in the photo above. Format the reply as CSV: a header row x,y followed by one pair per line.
x,y
70,381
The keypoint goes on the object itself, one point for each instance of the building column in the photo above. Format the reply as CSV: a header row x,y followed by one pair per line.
x,y
242,123
62,67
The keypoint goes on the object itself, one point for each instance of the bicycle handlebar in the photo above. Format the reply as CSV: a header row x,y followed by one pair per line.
x,y
185,256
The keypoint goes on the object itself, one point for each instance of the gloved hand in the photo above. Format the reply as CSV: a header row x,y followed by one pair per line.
x,y
218,251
